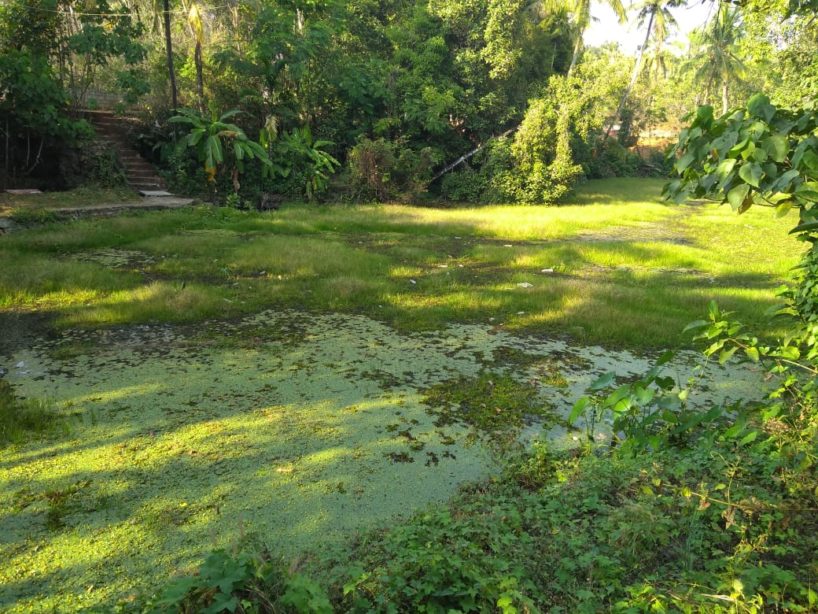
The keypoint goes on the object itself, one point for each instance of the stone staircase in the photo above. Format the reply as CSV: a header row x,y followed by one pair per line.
x,y
141,174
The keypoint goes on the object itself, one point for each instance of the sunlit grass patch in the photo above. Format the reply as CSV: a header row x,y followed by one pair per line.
x,y
29,280
155,302
596,266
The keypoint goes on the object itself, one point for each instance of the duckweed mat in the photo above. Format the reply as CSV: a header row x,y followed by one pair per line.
x,y
299,429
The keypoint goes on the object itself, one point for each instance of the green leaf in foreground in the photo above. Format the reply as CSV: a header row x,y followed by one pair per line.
x,y
738,195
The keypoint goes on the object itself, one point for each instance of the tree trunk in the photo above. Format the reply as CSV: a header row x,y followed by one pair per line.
x,y
197,57
465,157
575,57
169,51
634,76
6,161
706,99
725,98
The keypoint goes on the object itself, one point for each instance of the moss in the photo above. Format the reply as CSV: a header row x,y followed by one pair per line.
x,y
491,402
183,442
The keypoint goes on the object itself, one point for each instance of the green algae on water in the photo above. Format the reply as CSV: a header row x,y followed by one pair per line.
x,y
299,429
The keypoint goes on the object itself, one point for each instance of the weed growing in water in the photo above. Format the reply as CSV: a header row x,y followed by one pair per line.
x,y
494,403
19,417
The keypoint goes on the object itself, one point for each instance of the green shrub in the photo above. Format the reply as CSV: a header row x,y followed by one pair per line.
x,y
239,582
299,161
385,170
92,163
611,159
463,186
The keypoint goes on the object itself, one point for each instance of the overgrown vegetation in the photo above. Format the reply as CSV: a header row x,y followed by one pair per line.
x,y
628,270
21,417
678,512
314,373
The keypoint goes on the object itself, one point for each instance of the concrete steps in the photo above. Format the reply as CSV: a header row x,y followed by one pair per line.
x,y
113,131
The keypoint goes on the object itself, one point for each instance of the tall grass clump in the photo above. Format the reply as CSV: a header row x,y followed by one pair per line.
x,y
21,417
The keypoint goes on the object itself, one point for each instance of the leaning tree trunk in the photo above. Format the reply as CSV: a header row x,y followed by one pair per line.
x,y
169,51
575,57
464,157
634,76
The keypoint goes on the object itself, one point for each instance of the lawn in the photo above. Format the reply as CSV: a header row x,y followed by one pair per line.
x,y
302,376
618,267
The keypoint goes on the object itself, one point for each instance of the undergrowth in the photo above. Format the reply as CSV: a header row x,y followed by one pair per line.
x,y
21,417
701,530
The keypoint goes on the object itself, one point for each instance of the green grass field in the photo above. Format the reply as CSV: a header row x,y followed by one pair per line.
x,y
622,267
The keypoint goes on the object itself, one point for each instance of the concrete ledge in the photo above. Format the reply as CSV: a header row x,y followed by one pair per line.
x,y
156,203
149,203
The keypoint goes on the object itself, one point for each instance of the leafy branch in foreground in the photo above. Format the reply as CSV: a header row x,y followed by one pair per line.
x,y
759,155
649,413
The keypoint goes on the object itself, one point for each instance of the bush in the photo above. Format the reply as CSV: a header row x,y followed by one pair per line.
x,y
611,159
34,116
463,186
385,170
239,582
92,163
536,165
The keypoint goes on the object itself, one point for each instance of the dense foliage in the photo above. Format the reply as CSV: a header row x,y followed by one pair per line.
x,y
50,56
473,100
690,507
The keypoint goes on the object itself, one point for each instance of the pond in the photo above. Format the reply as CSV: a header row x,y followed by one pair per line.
x,y
296,428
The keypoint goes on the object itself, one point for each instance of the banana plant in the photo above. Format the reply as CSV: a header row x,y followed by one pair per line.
x,y
214,137
303,154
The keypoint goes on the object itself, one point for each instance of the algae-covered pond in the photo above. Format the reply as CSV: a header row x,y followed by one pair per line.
x,y
299,429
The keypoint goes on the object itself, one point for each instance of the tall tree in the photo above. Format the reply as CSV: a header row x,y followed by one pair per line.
x,y
659,22
715,57
169,52
581,10
196,25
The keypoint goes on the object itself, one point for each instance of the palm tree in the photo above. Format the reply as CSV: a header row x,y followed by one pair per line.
x,y
657,60
659,22
582,19
715,56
